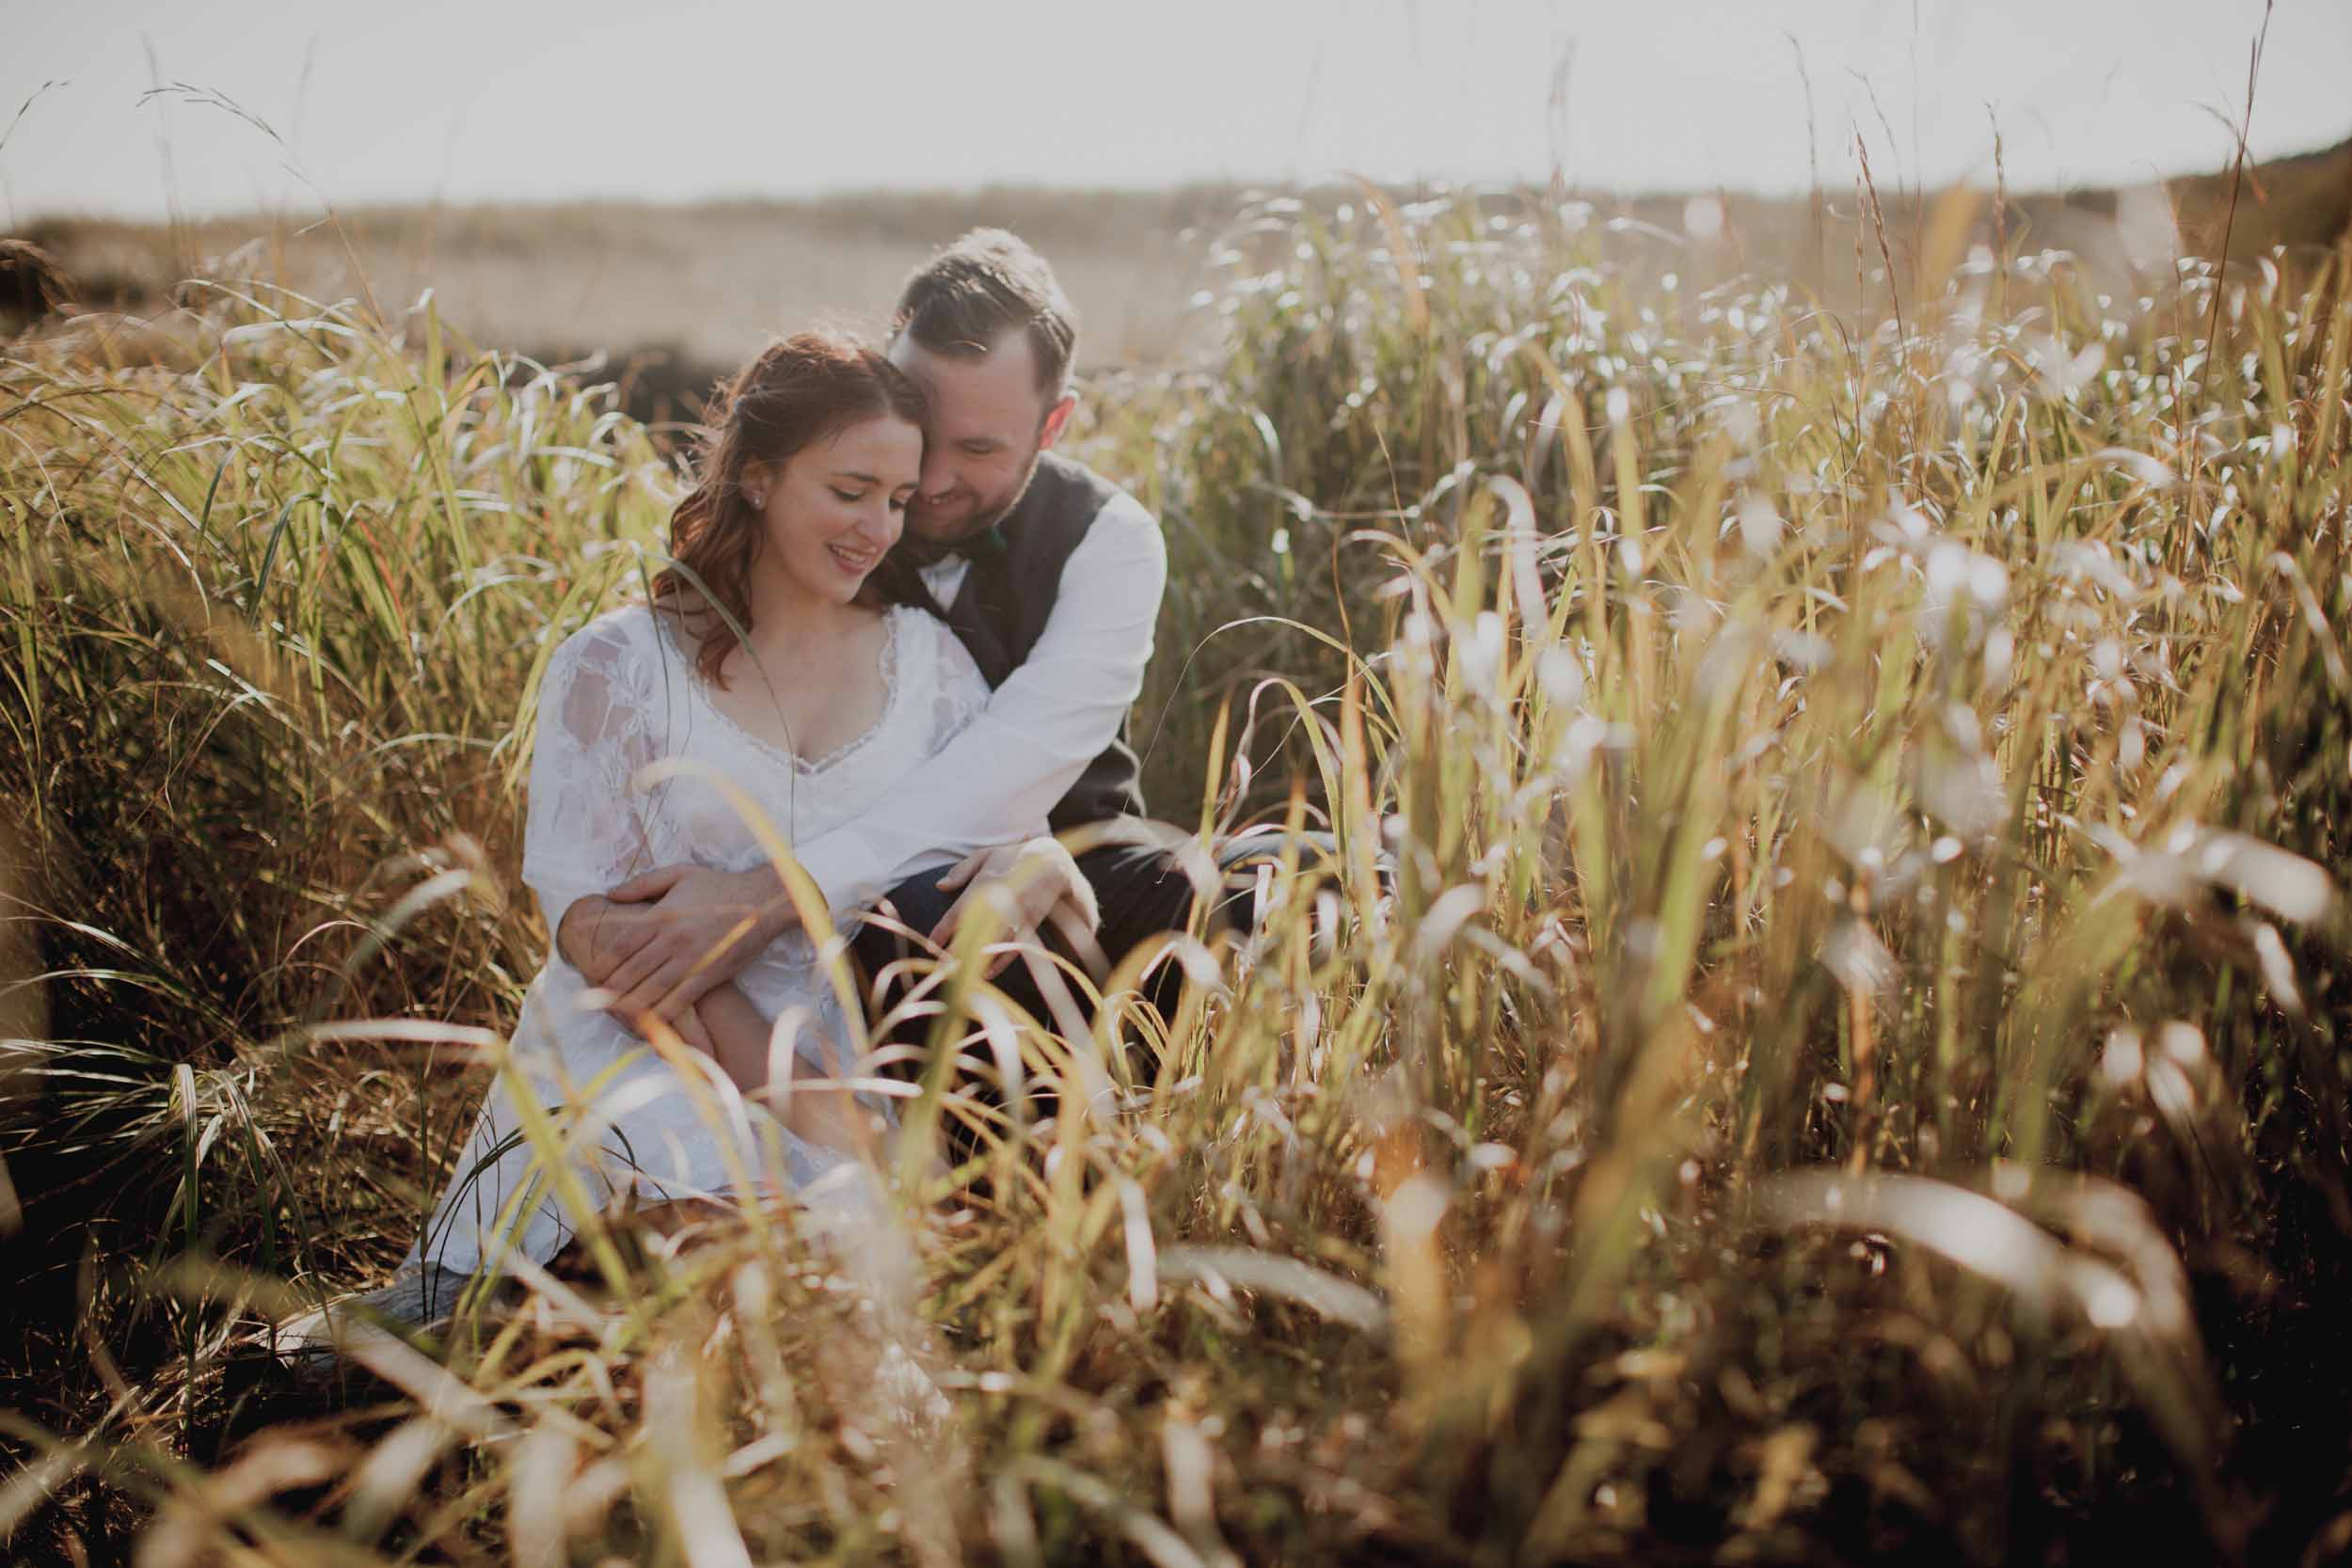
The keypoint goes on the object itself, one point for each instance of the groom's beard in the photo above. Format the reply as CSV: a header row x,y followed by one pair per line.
x,y
962,513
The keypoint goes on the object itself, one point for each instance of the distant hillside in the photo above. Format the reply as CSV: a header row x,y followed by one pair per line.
x,y
2301,200
2114,231
681,293
706,282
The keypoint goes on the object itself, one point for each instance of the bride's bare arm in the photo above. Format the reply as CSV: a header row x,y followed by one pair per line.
x,y
819,1109
734,1033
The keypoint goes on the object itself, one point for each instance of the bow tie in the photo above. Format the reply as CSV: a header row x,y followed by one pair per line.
x,y
988,542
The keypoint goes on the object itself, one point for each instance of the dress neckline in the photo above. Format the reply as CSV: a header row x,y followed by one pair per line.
x,y
800,766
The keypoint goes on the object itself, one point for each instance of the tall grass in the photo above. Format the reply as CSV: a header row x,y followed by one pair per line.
x,y
1850,1059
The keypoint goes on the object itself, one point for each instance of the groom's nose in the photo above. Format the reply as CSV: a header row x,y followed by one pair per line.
x,y
938,480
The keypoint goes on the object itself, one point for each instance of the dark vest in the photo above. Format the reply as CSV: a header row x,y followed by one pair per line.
x,y
1001,606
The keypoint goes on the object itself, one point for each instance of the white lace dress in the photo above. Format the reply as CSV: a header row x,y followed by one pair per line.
x,y
620,696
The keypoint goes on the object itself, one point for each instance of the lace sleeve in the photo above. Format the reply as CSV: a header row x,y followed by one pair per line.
x,y
581,831
959,690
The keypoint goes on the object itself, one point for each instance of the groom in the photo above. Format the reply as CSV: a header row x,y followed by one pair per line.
x,y
1052,577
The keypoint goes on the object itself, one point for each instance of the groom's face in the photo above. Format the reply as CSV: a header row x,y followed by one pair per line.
x,y
989,422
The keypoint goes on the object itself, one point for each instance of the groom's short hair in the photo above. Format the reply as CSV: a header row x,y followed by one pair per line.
x,y
987,283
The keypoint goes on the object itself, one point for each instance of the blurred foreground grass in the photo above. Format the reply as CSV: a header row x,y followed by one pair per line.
x,y
1854,1061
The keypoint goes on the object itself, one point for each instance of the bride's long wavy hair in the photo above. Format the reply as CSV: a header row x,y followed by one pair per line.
x,y
798,392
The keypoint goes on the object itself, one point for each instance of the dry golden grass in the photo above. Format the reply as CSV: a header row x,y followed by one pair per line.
x,y
1852,1061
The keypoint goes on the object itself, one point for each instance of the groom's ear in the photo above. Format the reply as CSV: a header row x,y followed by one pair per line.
x,y
1056,418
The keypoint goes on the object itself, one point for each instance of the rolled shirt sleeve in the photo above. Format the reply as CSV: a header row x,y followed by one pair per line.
x,y
1053,714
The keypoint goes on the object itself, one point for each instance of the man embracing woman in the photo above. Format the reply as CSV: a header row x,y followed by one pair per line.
x,y
903,634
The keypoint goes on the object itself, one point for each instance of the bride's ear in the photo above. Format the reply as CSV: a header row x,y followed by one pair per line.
x,y
758,479
1056,418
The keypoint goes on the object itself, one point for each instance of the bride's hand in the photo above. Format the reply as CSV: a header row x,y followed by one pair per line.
x,y
1041,882
688,934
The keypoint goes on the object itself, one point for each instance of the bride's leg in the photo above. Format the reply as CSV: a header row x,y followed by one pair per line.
x,y
737,1036
819,1109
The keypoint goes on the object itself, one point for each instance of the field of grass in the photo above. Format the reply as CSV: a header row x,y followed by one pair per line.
x,y
1854,1062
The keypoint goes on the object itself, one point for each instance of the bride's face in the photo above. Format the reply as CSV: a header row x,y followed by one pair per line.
x,y
834,508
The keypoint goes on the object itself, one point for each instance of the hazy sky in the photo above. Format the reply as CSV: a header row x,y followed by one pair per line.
x,y
489,100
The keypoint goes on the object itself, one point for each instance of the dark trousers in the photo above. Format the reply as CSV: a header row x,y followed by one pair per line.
x,y
1142,889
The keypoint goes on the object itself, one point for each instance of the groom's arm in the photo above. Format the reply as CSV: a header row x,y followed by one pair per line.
x,y
1053,714
991,785
661,940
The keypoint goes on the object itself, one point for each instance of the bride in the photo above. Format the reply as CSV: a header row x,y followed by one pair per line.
x,y
781,666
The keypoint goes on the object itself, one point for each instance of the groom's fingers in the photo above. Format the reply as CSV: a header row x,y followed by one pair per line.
x,y
1049,880
651,994
698,980
650,884
671,974
620,934
1077,901
945,931
631,981
1014,906
646,976
1079,937
962,872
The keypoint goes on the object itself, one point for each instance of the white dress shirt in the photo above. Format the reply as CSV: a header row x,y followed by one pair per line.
x,y
995,782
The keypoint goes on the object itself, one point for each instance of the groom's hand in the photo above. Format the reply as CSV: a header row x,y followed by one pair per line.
x,y
1040,882
669,936
597,934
